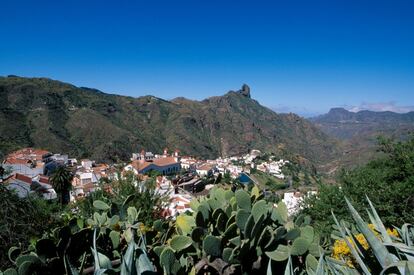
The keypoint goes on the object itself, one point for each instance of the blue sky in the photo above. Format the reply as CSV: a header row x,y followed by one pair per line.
x,y
300,56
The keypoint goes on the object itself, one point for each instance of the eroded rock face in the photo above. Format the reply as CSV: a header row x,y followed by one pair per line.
x,y
245,90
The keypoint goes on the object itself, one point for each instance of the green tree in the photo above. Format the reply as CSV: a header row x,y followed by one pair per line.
x,y
142,195
23,219
218,179
227,177
61,180
388,181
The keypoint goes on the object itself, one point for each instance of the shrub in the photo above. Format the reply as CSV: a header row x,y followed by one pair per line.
x,y
389,181
23,220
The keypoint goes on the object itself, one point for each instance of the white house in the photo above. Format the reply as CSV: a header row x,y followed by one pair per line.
x,y
86,163
293,200
24,186
204,169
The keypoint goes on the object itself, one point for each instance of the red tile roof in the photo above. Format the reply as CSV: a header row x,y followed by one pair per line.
x,y
140,165
43,179
13,160
22,178
24,155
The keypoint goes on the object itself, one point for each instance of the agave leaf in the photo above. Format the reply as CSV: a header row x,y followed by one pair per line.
x,y
378,223
289,267
127,265
404,267
405,234
381,253
356,242
320,267
337,267
101,261
269,268
70,269
408,252
351,247
143,264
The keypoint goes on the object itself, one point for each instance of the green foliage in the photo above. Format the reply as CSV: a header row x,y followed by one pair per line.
x,y
67,249
389,181
268,182
22,220
113,212
61,181
124,192
234,233
228,233
386,254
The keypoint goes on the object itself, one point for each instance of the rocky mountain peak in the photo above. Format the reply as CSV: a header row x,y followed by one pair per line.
x,y
245,90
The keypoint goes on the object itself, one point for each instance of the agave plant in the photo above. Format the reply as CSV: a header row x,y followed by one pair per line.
x,y
387,254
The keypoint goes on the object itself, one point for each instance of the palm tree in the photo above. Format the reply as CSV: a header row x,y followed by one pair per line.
x,y
61,180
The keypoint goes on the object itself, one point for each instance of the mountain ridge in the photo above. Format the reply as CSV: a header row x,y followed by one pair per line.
x,y
338,113
359,131
86,122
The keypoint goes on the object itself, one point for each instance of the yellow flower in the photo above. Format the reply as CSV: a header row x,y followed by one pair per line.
x,y
393,232
341,251
143,229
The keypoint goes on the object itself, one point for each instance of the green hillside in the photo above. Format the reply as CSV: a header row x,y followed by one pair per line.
x,y
85,122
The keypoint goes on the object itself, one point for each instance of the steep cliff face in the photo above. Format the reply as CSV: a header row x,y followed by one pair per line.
x,y
85,122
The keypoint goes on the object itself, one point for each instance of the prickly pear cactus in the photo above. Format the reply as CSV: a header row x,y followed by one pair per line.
x,y
235,232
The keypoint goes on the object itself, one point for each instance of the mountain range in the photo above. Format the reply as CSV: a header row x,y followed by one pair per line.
x,y
85,122
88,123
358,132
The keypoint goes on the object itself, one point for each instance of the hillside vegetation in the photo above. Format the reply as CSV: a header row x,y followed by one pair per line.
x,y
359,131
85,122
388,181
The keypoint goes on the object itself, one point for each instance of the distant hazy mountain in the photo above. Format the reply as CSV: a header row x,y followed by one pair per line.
x,y
344,124
85,122
359,131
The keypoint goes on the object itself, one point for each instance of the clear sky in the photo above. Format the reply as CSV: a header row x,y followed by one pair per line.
x,y
301,56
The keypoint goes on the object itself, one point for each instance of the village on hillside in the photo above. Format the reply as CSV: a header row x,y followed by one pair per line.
x,y
180,178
